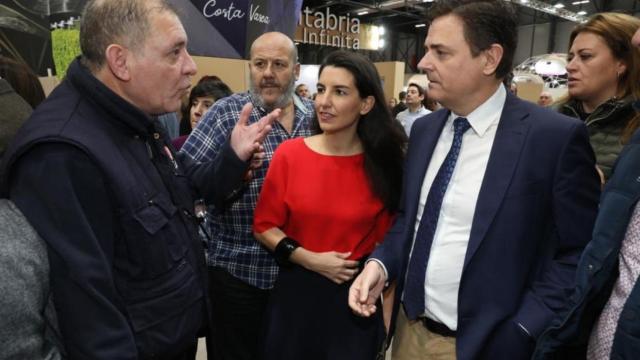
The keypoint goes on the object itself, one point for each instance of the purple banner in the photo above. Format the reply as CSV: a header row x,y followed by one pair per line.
x,y
226,28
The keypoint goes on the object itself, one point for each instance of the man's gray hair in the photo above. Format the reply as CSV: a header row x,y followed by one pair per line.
x,y
106,22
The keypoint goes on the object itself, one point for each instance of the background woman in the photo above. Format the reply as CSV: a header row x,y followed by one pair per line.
x,y
604,79
326,202
23,80
208,90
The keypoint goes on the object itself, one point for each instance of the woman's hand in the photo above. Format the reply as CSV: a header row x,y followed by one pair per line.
x,y
332,265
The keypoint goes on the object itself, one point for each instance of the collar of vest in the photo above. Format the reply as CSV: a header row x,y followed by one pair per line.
x,y
121,112
611,110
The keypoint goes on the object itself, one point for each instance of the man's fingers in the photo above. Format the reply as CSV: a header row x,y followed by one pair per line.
x,y
259,154
360,308
262,133
369,309
244,114
271,117
363,288
353,297
255,164
265,130
264,124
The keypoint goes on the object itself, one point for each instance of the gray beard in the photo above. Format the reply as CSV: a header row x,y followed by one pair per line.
x,y
281,102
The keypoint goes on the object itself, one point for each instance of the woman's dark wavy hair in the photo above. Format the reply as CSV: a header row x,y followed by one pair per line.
x,y
208,85
383,141
23,80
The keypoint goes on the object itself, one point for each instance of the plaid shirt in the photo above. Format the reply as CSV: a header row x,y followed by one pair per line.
x,y
232,244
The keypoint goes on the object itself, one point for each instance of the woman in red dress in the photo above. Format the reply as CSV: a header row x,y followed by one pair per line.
x,y
326,201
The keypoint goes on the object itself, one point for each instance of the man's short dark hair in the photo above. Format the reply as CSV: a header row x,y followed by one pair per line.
x,y
415,85
402,95
486,22
124,22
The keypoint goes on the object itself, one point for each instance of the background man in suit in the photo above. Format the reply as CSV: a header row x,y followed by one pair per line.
x,y
500,197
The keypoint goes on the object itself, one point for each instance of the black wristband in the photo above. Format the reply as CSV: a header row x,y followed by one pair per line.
x,y
283,251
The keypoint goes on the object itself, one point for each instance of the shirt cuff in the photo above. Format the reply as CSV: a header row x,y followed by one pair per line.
x,y
384,269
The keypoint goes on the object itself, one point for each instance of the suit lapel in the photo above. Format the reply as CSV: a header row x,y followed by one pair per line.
x,y
510,137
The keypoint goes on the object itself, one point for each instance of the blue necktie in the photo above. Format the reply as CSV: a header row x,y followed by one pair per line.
x,y
414,288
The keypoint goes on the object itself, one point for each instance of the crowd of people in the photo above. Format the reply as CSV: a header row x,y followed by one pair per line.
x,y
461,222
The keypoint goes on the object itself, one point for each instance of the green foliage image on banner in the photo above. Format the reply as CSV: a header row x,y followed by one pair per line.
x,y
65,44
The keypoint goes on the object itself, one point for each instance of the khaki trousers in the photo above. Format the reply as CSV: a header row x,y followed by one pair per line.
x,y
412,341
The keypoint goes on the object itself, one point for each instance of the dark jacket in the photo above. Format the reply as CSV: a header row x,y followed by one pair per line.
x,y
100,182
14,112
28,325
606,125
568,337
401,106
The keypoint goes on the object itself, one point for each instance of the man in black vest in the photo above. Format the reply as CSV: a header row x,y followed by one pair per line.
x,y
95,174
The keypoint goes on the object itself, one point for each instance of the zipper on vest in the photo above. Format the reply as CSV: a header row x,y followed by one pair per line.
x,y
149,151
172,159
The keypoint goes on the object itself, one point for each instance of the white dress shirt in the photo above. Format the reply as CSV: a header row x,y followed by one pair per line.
x,y
449,247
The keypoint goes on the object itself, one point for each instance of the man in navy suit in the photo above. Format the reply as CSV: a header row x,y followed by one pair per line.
x,y
500,198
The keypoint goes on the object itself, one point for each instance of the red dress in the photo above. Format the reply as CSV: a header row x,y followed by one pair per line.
x,y
326,204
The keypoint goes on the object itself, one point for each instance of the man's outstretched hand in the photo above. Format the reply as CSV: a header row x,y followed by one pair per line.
x,y
246,138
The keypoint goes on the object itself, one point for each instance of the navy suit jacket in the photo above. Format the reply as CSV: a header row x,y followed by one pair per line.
x,y
534,215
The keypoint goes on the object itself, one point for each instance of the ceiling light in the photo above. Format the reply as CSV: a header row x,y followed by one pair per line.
x,y
582,12
580,2
548,8
420,25
360,13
